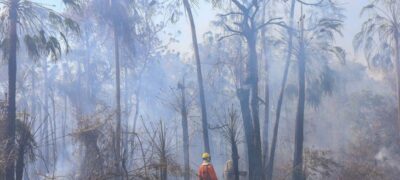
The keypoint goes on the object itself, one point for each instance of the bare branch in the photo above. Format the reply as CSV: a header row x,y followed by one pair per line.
x,y
227,36
275,21
240,6
217,126
257,7
230,13
261,100
231,29
310,4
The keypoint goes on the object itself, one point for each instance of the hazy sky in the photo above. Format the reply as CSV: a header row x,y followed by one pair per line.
x,y
204,14
352,23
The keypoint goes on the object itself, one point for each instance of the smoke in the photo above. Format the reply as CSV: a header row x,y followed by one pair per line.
x,y
386,157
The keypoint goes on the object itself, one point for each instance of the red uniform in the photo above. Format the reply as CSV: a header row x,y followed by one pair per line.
x,y
207,172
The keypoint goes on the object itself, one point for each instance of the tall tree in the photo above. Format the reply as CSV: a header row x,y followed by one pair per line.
x,y
379,37
28,16
270,165
204,121
11,56
116,15
248,27
299,129
185,130
291,30
264,54
315,43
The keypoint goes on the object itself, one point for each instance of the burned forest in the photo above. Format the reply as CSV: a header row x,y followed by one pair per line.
x,y
199,89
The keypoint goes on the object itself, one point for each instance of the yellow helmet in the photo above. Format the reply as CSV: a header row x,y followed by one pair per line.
x,y
205,156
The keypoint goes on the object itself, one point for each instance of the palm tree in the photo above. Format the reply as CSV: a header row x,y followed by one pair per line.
x,y
26,144
291,33
299,129
314,44
115,15
25,17
379,37
204,121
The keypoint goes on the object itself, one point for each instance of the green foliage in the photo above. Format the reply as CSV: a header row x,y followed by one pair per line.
x,y
33,49
26,138
119,15
42,28
40,45
319,50
75,4
321,85
378,33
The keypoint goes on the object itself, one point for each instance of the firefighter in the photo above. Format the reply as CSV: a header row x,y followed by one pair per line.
x,y
206,170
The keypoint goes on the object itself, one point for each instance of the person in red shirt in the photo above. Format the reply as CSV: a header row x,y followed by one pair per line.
x,y
206,170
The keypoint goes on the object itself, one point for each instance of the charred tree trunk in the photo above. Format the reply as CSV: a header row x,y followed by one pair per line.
x,y
54,132
244,99
126,114
127,107
270,165
118,101
235,158
265,136
64,124
252,70
46,123
299,132
199,78
162,137
397,64
12,82
185,133
33,93
163,169
92,163
20,164
25,137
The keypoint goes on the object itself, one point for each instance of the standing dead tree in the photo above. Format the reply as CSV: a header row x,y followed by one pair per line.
x,y
182,101
92,133
245,24
185,130
158,138
232,134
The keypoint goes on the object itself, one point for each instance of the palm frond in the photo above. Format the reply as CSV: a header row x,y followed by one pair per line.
x,y
74,4
328,25
314,93
31,46
327,80
71,25
339,53
378,33
64,38
366,8
53,47
40,28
